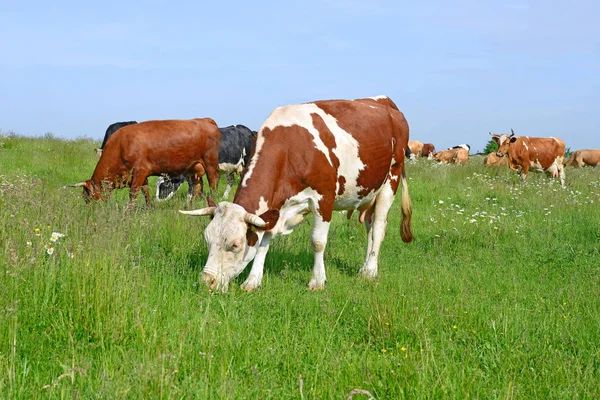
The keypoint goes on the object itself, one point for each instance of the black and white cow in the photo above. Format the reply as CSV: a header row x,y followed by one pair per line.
x,y
112,128
237,142
461,146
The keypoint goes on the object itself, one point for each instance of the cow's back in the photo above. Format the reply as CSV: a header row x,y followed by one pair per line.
x,y
338,148
165,146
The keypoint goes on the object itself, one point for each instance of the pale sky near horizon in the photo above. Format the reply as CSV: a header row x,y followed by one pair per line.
x,y
457,69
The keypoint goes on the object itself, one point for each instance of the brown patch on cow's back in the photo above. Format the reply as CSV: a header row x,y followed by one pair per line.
x,y
375,154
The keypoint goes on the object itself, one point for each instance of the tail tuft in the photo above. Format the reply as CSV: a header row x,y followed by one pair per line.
x,y
406,233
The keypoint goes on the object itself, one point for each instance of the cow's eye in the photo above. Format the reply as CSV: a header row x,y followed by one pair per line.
x,y
234,247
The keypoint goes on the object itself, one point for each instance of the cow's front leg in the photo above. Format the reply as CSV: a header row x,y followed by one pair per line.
x,y
138,180
318,239
254,280
146,191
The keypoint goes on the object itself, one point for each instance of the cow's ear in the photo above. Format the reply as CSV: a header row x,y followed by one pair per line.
x,y
251,237
495,139
270,217
513,139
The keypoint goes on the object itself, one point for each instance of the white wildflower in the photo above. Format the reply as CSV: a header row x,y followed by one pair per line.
x,y
50,250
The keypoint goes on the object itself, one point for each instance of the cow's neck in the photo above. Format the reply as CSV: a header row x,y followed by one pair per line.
x,y
267,188
258,197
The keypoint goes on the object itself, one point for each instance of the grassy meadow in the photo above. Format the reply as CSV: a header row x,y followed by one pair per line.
x,y
497,297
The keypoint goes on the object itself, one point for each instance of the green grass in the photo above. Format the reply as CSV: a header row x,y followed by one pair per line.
x,y
497,297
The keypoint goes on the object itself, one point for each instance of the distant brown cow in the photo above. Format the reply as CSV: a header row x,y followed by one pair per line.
x,y
457,156
524,152
427,149
415,147
581,158
151,148
494,160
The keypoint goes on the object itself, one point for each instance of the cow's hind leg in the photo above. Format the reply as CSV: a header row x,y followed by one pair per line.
x,y
376,232
318,239
254,280
195,182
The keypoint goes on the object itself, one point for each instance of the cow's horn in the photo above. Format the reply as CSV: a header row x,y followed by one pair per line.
x,y
80,184
254,220
512,133
201,211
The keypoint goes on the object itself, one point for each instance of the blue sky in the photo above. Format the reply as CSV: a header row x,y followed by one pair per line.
x,y
457,69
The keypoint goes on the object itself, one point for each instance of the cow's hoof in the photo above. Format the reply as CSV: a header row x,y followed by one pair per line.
x,y
368,273
250,284
314,285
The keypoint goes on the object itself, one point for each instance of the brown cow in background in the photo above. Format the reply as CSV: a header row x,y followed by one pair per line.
x,y
152,148
494,160
581,158
415,147
456,156
524,152
427,150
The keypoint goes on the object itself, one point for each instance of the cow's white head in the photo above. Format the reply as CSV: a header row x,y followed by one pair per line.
x,y
504,140
232,238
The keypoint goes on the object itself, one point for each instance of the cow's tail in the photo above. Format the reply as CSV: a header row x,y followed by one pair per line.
x,y
406,233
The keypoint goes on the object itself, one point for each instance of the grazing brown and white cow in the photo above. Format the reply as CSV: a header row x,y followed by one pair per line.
x,y
494,160
311,158
456,155
581,158
172,147
427,150
415,147
524,152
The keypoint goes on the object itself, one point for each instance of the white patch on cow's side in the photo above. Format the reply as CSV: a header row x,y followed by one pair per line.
x,y
536,165
294,209
525,145
380,97
229,167
394,178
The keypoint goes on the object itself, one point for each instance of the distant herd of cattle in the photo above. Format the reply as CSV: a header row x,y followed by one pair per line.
x,y
306,158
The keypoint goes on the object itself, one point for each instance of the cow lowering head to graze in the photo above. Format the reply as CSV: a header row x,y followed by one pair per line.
x,y
112,128
172,147
454,155
237,144
311,158
581,158
427,150
524,152
494,160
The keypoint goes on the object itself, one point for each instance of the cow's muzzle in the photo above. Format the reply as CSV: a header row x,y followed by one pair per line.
x,y
210,280
499,154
